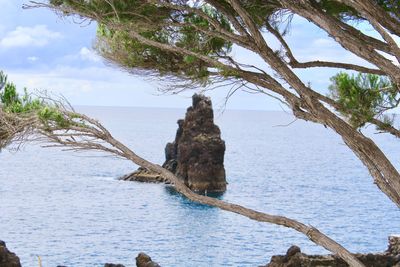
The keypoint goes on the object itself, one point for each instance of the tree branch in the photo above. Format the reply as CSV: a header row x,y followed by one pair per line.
x,y
295,64
341,34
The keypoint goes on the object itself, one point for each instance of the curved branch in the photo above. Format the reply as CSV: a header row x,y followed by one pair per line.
x,y
370,11
387,128
378,13
296,64
312,64
340,33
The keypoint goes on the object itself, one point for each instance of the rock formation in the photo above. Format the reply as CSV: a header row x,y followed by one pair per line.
x,y
295,258
197,153
7,258
144,176
143,260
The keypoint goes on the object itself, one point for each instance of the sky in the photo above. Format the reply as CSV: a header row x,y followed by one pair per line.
x,y
42,51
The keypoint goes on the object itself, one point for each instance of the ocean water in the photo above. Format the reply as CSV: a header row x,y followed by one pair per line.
x,y
69,209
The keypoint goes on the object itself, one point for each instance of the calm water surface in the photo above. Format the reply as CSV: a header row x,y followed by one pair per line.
x,y
69,209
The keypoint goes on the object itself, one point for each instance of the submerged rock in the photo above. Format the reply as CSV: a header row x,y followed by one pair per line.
x,y
295,258
143,175
197,153
7,258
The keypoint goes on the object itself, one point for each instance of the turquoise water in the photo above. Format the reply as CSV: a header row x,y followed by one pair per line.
x,y
68,208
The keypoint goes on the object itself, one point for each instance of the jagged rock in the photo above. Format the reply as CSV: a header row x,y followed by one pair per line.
x,y
143,260
7,258
292,251
113,265
295,258
197,153
394,245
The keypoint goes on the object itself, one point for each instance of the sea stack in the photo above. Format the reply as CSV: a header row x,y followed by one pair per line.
x,y
197,154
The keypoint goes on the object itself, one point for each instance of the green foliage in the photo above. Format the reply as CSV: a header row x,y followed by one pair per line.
x,y
346,13
363,96
183,29
180,28
261,10
338,10
391,6
11,102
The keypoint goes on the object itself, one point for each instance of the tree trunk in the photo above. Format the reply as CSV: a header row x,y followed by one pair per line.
x,y
385,175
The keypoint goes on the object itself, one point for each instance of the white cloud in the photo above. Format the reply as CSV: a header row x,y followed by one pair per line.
x,y
105,86
71,81
37,36
32,59
5,3
2,28
87,54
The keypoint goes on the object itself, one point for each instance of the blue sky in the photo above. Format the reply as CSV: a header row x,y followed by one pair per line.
x,y
40,50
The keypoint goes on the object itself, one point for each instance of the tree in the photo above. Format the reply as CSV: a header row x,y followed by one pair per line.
x,y
192,41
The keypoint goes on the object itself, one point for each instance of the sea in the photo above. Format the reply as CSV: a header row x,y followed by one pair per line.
x,y
69,209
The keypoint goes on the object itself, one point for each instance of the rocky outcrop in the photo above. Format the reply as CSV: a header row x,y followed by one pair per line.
x,y
144,176
7,258
295,258
394,245
143,260
197,153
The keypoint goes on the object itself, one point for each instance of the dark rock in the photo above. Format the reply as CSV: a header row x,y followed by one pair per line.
x,y
292,251
113,265
7,258
301,259
294,258
197,153
394,245
143,260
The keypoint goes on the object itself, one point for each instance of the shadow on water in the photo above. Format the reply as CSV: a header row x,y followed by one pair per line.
x,y
187,202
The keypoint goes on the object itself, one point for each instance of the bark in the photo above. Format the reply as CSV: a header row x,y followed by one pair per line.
x,y
385,175
343,36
